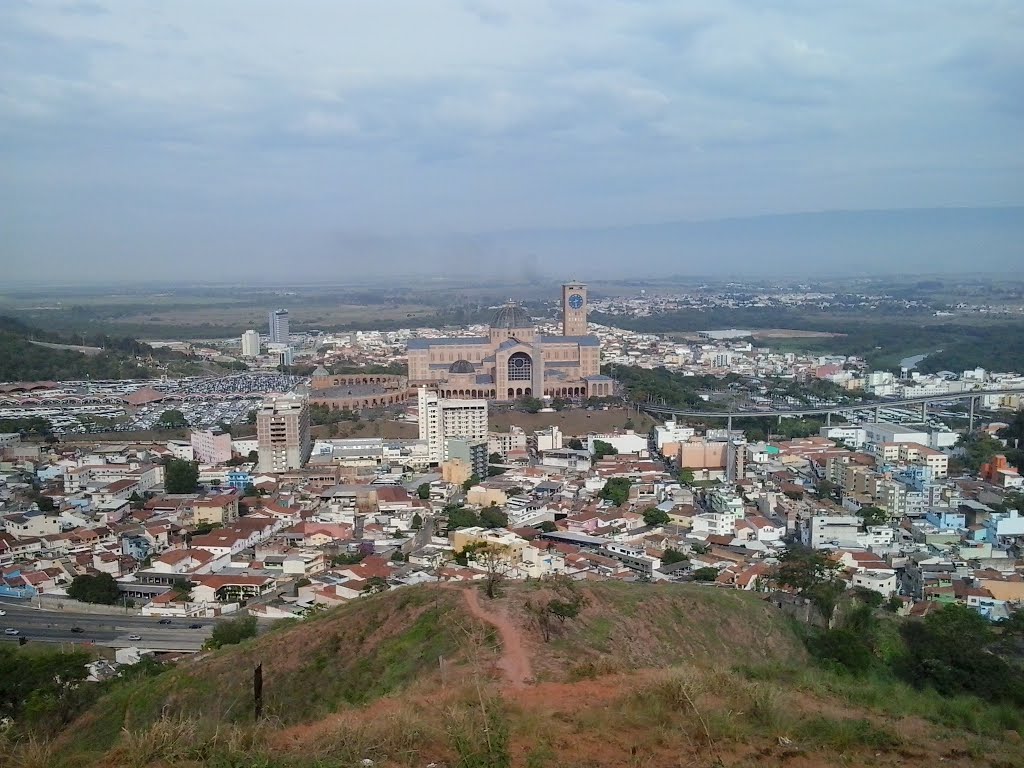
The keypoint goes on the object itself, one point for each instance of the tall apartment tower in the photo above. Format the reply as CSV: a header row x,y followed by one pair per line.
x,y
441,420
250,344
282,433
574,309
429,407
278,322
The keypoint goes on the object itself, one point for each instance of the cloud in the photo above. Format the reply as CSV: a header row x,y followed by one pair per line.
x,y
458,117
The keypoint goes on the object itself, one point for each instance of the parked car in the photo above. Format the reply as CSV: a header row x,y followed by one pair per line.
x,y
164,621
195,626
134,637
10,631
77,630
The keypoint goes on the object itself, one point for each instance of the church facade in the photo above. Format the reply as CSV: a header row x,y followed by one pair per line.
x,y
515,361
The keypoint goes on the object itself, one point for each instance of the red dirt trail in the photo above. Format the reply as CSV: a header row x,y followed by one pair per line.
x,y
514,663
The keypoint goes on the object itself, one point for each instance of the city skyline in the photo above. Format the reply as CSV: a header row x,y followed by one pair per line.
x,y
355,138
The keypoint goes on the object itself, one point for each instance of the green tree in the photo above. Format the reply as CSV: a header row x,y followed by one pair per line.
x,y
949,651
493,517
671,555
44,689
530,404
574,443
397,556
232,632
979,448
423,490
375,584
495,458
685,476
470,482
827,489
137,502
705,574
871,516
417,521
181,476
603,448
548,526
101,588
813,575
616,490
171,419
254,456
461,517
655,516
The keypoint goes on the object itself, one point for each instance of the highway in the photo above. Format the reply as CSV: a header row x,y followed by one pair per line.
x,y
873,405
110,630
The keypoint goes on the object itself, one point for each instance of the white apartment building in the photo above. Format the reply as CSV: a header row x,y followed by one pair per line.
x,y
835,530
672,432
854,437
881,580
626,442
549,439
250,344
441,420
211,446
282,433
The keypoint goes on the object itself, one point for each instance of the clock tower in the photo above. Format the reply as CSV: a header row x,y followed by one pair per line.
x,y
574,309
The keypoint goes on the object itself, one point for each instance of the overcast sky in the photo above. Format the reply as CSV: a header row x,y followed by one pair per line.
x,y
218,137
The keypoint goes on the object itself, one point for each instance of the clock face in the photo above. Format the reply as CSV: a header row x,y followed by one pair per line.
x,y
576,301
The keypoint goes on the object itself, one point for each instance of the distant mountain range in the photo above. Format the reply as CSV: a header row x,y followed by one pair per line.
x,y
928,240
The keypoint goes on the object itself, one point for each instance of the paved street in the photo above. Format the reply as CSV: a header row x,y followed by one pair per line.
x,y
108,630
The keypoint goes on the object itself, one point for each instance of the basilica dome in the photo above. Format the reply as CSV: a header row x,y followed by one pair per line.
x,y
462,366
511,316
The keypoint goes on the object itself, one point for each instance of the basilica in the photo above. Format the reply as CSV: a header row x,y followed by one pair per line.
x,y
513,360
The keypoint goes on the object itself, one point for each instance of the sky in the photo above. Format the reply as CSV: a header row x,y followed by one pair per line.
x,y
267,139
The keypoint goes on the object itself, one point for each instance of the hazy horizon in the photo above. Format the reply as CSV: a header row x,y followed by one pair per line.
x,y
208,141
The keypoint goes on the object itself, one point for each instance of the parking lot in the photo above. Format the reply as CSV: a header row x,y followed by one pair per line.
x,y
204,401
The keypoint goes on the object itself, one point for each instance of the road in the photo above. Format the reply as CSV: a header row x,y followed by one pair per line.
x,y
111,631
871,405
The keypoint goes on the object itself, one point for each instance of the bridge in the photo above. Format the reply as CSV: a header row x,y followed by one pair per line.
x,y
876,405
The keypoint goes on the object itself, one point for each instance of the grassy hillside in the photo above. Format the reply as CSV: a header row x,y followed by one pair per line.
x,y
349,656
630,626
643,675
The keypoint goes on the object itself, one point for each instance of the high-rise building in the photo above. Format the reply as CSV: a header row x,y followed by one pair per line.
x,y
441,420
278,322
282,432
250,344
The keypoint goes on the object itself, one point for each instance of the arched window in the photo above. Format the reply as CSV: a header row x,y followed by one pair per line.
x,y
520,367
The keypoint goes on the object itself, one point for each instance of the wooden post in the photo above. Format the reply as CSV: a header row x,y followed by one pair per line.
x,y
257,690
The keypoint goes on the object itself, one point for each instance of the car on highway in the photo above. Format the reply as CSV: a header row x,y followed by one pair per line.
x,y
10,631
164,621
195,626
77,630
134,637
3,613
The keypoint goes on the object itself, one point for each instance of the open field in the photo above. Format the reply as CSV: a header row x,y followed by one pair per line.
x,y
573,422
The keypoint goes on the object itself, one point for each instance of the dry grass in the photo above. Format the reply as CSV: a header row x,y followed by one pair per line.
x,y
574,422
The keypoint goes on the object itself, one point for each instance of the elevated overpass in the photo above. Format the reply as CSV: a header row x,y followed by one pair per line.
x,y
876,405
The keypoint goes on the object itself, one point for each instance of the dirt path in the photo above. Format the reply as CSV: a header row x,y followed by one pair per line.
x,y
514,663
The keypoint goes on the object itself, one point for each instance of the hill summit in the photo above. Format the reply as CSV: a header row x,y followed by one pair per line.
x,y
549,674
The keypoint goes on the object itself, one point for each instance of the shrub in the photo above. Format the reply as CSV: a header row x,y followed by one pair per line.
x,y
232,632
